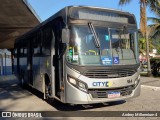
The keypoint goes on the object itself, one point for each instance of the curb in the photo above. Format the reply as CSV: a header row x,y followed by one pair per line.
x,y
151,87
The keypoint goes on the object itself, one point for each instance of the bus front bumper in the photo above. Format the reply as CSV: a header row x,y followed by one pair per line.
x,y
75,96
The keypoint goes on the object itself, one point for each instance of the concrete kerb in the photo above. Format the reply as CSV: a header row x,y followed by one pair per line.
x,y
151,87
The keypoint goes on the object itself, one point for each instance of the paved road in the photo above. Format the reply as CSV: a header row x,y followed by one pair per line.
x,y
14,98
150,81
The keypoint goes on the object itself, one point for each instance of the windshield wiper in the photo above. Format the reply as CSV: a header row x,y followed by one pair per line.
x,y
97,42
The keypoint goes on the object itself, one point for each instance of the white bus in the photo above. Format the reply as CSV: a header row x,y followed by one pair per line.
x,y
81,55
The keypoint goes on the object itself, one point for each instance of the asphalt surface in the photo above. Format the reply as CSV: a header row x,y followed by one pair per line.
x,y
150,81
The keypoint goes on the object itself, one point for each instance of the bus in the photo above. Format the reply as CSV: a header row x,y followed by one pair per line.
x,y
81,55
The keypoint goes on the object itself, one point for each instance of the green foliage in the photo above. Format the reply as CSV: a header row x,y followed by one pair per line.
x,y
154,35
153,44
155,27
156,44
155,59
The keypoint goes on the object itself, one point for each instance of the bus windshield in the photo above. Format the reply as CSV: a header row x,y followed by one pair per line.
x,y
117,46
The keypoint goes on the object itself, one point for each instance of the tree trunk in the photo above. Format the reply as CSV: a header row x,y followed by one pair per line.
x,y
143,28
147,55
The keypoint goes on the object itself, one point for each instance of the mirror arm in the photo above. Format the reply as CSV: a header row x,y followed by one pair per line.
x,y
65,35
63,51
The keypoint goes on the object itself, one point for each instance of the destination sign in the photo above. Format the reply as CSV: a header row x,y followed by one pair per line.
x,y
101,15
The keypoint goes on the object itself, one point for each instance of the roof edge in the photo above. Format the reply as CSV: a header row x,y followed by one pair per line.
x,y
32,10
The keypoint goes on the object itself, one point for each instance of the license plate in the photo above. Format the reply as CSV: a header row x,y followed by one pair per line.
x,y
113,94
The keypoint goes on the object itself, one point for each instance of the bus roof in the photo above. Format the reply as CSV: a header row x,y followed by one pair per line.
x,y
102,8
64,13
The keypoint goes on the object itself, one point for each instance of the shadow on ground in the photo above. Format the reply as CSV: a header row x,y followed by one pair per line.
x,y
10,89
67,107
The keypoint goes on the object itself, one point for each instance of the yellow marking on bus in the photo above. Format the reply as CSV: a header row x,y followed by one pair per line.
x,y
109,84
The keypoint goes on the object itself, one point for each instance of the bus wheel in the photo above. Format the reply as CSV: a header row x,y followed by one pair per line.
x,y
48,91
48,97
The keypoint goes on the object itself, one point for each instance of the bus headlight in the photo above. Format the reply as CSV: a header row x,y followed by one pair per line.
x,y
72,81
78,84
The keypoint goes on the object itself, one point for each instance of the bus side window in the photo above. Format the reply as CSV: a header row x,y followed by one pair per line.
x,y
46,41
15,52
36,50
37,45
25,51
21,52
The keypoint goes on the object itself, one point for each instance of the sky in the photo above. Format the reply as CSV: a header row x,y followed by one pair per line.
x,y
47,8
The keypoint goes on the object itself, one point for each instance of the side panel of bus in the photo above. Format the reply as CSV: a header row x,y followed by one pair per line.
x,y
38,62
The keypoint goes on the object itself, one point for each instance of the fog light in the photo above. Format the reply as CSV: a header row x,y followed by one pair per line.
x,y
82,85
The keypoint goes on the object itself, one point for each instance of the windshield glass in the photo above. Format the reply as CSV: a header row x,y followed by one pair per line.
x,y
117,47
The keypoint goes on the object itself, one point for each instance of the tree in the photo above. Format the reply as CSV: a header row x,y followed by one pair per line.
x,y
154,6
142,41
155,27
155,34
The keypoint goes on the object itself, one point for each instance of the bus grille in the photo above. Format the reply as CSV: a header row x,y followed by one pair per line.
x,y
112,73
103,93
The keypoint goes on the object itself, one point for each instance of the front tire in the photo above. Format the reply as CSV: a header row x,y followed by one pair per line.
x,y
48,94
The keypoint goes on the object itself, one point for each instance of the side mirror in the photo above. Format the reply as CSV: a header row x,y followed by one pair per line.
x,y
65,35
